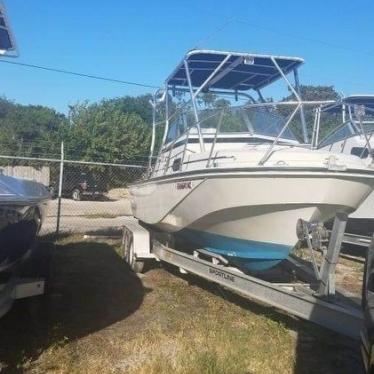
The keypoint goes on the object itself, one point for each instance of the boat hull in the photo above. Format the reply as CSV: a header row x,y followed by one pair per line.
x,y
19,226
248,217
250,255
23,205
361,221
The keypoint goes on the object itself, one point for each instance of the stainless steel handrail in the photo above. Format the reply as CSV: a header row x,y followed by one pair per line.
x,y
215,137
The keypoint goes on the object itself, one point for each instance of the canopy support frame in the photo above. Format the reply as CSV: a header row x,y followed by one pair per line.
x,y
218,72
302,114
194,105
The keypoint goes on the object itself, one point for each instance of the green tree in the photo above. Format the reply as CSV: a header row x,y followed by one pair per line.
x,y
31,130
104,131
114,130
312,93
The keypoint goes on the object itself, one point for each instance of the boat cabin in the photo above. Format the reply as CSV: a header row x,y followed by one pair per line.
x,y
214,101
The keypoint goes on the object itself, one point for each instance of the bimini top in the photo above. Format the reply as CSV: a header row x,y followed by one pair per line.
x,y
366,100
232,70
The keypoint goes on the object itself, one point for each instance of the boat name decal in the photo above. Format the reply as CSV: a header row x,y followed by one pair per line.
x,y
221,274
184,185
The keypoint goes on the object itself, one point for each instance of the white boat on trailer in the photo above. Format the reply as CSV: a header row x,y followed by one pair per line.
x,y
240,194
352,136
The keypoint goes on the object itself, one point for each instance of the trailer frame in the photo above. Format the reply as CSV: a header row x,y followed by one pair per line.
x,y
15,284
317,302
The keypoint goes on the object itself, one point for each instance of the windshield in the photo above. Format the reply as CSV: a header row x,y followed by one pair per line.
x,y
267,122
258,121
344,131
368,127
88,178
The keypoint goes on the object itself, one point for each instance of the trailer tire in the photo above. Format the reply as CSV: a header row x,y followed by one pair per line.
x,y
128,250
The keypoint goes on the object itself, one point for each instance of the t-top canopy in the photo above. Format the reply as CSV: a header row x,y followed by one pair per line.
x,y
232,70
7,43
365,100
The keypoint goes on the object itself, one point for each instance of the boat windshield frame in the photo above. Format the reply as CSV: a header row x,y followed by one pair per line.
x,y
216,74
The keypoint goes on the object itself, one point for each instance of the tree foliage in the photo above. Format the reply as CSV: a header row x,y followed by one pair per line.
x,y
107,132
115,130
31,130
312,93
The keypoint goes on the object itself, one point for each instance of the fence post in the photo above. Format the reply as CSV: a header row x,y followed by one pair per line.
x,y
60,189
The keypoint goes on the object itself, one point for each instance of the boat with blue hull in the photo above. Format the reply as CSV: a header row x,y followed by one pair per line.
x,y
230,175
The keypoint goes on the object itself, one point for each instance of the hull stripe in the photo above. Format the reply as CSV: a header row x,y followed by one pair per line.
x,y
251,254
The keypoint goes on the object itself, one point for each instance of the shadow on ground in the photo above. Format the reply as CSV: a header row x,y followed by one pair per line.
x,y
90,288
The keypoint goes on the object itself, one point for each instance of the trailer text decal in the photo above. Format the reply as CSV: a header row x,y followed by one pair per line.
x,y
221,274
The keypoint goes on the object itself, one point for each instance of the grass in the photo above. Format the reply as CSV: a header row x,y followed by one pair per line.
x,y
209,335
99,317
349,273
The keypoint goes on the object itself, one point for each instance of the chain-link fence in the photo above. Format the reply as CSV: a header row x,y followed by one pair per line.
x,y
86,196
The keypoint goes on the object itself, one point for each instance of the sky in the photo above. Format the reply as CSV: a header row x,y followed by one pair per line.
x,y
142,41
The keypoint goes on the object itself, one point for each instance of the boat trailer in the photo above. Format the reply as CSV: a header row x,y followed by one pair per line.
x,y
18,288
313,297
15,285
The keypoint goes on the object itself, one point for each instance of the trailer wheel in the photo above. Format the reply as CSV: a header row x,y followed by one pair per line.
x,y
128,250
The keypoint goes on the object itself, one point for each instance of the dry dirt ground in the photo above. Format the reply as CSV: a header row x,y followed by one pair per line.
x,y
349,272
99,317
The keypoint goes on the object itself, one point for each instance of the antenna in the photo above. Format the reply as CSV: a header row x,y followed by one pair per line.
x,y
8,47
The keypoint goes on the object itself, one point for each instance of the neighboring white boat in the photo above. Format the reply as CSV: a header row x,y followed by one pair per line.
x,y
354,136
234,179
22,208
